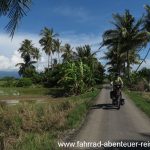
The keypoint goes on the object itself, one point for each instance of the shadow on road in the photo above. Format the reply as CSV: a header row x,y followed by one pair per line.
x,y
103,106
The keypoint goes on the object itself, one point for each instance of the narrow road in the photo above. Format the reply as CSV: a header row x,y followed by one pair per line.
x,y
104,123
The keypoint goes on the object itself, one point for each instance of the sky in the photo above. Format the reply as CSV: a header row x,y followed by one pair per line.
x,y
77,22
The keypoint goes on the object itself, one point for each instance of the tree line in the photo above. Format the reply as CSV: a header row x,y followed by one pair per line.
x,y
125,41
74,70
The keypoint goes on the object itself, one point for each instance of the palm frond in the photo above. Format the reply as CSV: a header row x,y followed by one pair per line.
x,y
15,10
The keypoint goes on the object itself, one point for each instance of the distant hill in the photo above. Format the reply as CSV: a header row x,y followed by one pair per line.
x,y
9,74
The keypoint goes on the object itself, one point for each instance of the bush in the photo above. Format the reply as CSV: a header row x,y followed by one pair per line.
x,y
24,82
8,81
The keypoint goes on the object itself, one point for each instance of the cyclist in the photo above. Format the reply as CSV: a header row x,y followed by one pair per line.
x,y
117,80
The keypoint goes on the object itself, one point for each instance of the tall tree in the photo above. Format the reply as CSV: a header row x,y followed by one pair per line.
x,y
29,54
58,48
47,42
68,53
127,37
86,55
27,48
146,22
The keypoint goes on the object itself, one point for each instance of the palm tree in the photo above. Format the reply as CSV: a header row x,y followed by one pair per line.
x,y
27,68
15,10
146,22
128,36
58,48
86,55
27,48
47,42
147,18
67,53
29,54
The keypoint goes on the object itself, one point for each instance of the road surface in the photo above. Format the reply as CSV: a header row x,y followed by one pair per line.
x,y
104,123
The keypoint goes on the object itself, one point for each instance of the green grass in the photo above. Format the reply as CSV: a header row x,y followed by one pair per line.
x,y
141,100
39,126
23,91
20,91
79,112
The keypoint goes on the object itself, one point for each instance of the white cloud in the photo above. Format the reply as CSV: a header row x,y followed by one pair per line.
x,y
4,62
7,63
9,55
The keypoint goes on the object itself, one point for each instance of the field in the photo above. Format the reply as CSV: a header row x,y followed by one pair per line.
x,y
36,126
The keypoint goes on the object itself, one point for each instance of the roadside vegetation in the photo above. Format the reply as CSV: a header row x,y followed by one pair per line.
x,y
125,42
141,99
39,126
74,70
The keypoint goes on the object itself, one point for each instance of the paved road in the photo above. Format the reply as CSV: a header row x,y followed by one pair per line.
x,y
104,123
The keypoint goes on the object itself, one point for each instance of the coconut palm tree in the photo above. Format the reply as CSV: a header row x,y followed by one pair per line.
x,y
128,36
15,10
147,18
58,48
26,69
86,55
27,48
29,54
146,22
47,42
68,53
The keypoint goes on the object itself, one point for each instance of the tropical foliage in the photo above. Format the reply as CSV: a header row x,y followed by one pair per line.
x,y
124,43
48,43
15,10
30,55
75,70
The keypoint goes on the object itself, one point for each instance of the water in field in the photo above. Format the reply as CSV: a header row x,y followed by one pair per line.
x,y
15,102
9,92
9,102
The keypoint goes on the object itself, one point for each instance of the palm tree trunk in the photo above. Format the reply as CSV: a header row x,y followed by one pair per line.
x,y
48,60
128,66
51,62
58,58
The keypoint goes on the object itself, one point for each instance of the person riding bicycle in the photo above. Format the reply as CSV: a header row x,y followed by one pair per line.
x,y
116,81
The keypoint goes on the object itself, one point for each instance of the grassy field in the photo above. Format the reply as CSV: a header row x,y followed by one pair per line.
x,y
31,93
39,126
10,91
141,99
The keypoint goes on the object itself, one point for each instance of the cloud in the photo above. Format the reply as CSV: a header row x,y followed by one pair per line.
x,y
8,46
7,63
9,55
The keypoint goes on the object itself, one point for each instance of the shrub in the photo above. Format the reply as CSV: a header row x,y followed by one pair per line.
x,y
8,81
24,82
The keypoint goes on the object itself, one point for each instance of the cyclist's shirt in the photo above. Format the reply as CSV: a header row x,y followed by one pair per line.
x,y
117,80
